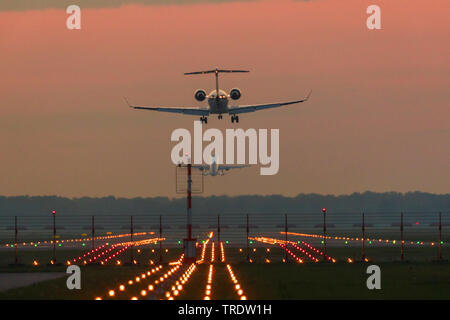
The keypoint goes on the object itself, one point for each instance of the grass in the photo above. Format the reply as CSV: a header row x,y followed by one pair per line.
x,y
324,281
269,281
411,279
345,281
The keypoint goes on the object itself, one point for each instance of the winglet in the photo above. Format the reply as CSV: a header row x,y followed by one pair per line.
x,y
126,100
307,97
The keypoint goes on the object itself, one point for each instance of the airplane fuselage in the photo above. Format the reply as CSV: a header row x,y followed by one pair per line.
x,y
218,105
213,169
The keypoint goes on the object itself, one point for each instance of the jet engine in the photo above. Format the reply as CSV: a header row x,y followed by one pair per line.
x,y
235,94
200,95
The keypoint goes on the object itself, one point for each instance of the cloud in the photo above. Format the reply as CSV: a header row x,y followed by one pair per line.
x,y
24,5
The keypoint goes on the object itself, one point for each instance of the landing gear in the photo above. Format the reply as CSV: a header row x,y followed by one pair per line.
x,y
204,120
235,118
220,117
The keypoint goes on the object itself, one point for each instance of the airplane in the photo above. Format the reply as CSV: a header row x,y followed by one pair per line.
x,y
216,170
218,101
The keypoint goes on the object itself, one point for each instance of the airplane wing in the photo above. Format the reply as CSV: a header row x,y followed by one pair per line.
x,y
184,110
226,167
256,107
188,110
200,167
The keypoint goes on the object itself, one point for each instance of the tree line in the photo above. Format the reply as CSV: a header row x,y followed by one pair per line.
x,y
356,202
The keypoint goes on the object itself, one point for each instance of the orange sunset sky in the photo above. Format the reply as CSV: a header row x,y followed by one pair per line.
x,y
378,119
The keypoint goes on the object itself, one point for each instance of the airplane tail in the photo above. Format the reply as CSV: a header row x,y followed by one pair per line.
x,y
216,72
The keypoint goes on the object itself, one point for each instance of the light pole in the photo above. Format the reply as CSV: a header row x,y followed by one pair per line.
x,y
187,185
93,233
54,236
440,236
324,210
401,238
285,237
15,240
189,242
363,226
